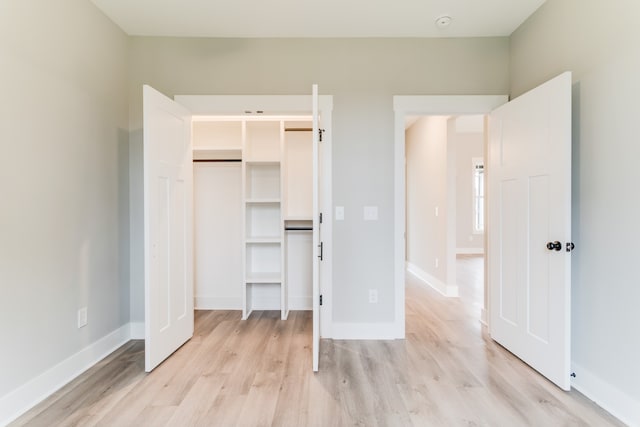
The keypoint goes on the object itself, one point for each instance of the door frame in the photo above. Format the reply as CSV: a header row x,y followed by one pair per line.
x,y
437,105
285,105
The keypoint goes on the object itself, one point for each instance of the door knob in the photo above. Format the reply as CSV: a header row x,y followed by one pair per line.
x,y
554,246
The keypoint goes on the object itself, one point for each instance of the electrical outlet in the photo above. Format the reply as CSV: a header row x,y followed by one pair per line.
x,y
373,296
339,213
370,213
437,210
437,263
82,317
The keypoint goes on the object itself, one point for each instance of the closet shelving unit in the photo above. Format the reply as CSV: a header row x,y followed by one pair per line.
x,y
263,233
275,155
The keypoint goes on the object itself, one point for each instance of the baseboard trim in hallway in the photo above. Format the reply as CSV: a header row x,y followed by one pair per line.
x,y
429,280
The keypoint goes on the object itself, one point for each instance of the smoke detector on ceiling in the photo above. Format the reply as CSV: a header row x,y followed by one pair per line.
x,y
443,21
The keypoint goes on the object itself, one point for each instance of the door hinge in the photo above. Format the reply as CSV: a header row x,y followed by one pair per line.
x,y
320,218
320,299
570,246
320,132
321,246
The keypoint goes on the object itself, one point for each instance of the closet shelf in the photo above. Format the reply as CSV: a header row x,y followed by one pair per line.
x,y
216,153
258,278
298,218
265,162
269,201
263,240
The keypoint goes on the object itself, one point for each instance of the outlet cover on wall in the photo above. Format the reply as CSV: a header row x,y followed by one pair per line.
x,y
373,296
339,213
82,317
437,263
370,213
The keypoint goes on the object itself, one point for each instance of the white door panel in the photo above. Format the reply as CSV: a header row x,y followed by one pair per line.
x,y
316,230
168,227
529,173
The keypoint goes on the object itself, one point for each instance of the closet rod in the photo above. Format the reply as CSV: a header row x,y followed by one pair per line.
x,y
298,129
298,228
216,160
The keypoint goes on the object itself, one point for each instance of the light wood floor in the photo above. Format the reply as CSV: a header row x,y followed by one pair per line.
x,y
258,373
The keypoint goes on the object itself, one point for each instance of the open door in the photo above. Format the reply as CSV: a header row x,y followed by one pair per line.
x,y
317,223
168,226
529,225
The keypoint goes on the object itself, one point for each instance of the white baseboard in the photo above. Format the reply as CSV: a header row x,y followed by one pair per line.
x,y
483,317
136,330
20,400
364,331
608,397
233,303
437,284
469,251
300,303
218,303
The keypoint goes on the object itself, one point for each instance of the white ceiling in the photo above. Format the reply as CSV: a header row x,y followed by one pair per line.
x,y
326,18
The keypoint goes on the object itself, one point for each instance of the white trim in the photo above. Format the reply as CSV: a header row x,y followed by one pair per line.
x,y
365,331
610,398
469,251
435,283
300,303
25,397
218,303
483,316
136,330
421,105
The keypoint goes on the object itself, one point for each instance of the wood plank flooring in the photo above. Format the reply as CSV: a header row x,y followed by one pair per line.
x,y
258,373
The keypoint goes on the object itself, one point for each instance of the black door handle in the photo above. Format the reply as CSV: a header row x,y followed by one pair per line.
x,y
554,246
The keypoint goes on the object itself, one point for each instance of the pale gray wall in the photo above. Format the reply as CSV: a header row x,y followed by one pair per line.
x,y
598,41
362,75
63,181
426,152
467,146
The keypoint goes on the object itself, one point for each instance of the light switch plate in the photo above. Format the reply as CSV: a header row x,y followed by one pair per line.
x,y
339,213
370,213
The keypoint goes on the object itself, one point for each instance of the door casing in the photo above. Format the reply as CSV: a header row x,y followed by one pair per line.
x,y
439,105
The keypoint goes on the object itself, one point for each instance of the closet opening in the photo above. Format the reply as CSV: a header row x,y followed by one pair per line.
x,y
253,223
444,196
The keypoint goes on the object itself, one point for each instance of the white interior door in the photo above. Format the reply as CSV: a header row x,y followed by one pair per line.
x,y
317,244
529,172
168,226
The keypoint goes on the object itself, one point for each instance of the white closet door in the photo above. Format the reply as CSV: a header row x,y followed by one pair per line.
x,y
168,226
317,244
529,228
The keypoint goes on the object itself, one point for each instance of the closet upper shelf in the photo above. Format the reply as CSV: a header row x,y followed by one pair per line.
x,y
262,162
221,153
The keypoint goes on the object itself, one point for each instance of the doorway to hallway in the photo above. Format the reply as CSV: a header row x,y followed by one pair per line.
x,y
444,198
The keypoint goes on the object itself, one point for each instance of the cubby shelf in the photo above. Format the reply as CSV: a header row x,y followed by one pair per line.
x,y
263,243
262,240
258,278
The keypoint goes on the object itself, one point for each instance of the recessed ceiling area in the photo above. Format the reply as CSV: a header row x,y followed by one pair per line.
x,y
328,18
